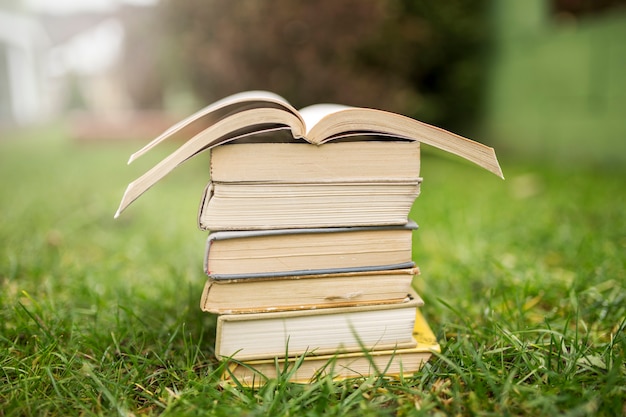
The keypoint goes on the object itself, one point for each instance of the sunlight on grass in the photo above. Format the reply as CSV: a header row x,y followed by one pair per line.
x,y
524,282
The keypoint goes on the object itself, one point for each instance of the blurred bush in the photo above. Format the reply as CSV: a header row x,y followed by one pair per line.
x,y
423,59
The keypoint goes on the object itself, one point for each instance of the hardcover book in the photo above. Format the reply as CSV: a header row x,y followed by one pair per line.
x,y
306,292
321,331
359,158
283,252
253,206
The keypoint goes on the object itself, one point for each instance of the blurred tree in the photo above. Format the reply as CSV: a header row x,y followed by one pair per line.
x,y
584,7
423,59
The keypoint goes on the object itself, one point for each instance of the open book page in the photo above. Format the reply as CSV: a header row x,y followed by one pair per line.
x,y
325,122
215,112
353,119
233,127
316,112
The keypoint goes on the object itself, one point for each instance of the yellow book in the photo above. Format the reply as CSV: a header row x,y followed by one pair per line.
x,y
391,363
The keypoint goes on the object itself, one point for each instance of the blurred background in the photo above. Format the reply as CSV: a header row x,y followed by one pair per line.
x,y
540,78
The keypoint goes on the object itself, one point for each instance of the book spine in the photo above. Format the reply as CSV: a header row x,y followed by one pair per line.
x,y
204,202
205,296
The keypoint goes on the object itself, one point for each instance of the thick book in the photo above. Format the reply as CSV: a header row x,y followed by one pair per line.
x,y
257,115
254,206
320,331
361,159
284,252
307,292
391,363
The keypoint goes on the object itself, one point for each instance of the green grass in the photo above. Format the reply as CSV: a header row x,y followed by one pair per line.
x,y
524,282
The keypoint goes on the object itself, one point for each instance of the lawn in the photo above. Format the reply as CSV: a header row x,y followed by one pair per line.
x,y
524,282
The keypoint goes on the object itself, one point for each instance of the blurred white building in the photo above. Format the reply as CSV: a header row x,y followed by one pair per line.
x,y
52,63
23,47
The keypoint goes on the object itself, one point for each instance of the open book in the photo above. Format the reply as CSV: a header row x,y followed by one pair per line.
x,y
256,115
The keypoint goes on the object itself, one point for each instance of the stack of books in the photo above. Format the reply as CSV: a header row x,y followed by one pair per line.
x,y
309,253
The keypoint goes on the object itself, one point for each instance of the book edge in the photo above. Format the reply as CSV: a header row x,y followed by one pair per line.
x,y
413,300
306,272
